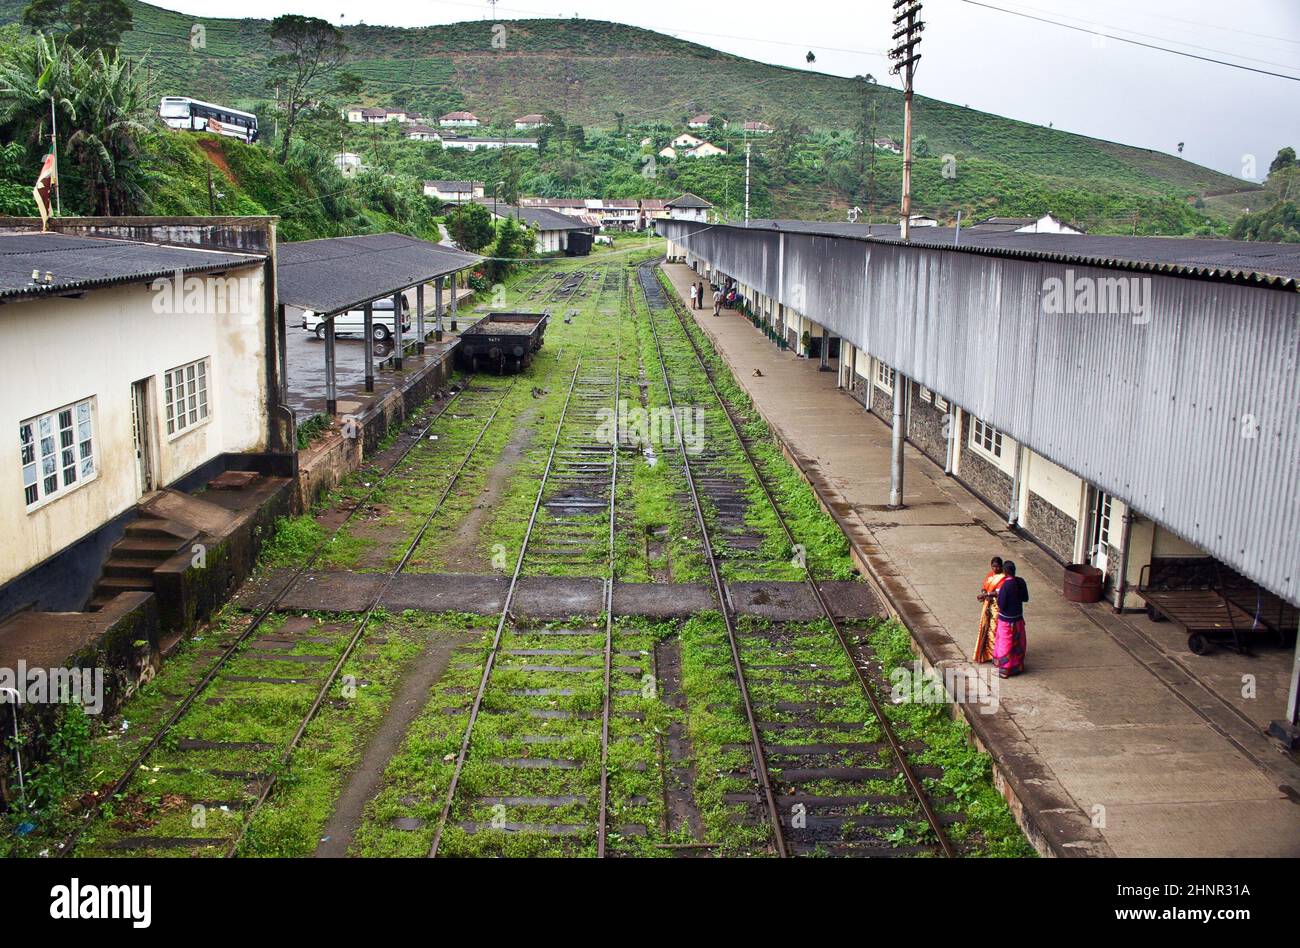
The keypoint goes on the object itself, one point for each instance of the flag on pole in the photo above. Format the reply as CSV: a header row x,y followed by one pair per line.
x,y
46,182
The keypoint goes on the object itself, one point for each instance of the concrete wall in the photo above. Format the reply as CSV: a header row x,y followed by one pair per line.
x,y
61,351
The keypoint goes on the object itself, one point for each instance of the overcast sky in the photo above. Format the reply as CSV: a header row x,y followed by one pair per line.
x,y
971,55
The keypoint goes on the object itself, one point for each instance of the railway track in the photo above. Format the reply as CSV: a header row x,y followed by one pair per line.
x,y
826,784
528,780
243,773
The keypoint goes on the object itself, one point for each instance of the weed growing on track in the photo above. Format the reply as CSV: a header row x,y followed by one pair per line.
x,y
988,829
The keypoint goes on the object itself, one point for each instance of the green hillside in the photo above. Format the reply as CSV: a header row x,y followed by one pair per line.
x,y
587,71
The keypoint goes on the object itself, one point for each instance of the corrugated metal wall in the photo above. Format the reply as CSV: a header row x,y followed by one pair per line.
x,y
1192,417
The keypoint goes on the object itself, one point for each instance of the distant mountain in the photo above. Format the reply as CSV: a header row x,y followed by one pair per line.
x,y
589,70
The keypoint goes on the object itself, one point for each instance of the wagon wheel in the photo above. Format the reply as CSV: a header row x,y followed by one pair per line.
x,y
1154,614
1199,644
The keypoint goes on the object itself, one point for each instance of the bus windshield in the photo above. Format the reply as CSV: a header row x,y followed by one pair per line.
x,y
175,108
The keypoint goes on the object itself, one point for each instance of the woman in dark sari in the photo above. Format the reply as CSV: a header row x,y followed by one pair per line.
x,y
1009,643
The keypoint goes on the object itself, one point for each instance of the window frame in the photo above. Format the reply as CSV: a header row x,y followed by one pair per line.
x,y
941,404
80,446
201,398
980,433
926,395
882,367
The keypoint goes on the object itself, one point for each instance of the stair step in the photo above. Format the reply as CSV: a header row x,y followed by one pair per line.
x,y
117,584
141,548
123,566
161,528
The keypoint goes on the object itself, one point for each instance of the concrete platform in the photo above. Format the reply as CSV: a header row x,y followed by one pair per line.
x,y
1117,741
549,597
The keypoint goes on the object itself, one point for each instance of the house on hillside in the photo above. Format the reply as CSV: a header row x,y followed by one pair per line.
x,y
422,133
700,121
571,207
689,207
471,143
668,151
454,192
531,121
704,150
349,164
1047,224
687,140
169,376
354,114
757,128
459,120
553,229
887,144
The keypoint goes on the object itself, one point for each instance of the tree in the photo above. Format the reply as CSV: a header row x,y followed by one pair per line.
x,y
307,52
510,175
88,24
620,119
471,227
113,105
1285,159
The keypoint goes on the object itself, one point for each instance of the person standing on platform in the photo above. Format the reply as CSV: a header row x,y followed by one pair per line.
x,y
694,295
1009,645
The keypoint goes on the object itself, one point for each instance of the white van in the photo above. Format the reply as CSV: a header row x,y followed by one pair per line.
x,y
352,323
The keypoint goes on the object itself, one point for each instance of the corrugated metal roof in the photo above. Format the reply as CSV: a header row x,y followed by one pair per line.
x,y
342,273
1237,261
1186,410
83,263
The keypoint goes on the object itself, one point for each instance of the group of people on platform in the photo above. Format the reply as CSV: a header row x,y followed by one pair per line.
x,y
722,296
1001,638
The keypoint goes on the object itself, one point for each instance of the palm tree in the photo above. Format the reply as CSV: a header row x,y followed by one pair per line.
x,y
113,106
35,84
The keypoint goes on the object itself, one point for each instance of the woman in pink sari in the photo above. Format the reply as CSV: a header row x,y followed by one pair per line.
x,y
1009,642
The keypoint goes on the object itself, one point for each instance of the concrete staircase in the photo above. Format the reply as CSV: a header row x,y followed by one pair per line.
x,y
149,542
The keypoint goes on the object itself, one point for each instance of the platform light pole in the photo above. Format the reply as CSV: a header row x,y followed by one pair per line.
x,y
907,35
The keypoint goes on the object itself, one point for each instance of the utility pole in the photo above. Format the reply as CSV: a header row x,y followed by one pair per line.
x,y
907,34
747,150
54,150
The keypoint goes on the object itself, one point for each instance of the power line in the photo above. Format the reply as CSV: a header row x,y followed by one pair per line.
x,y
1132,42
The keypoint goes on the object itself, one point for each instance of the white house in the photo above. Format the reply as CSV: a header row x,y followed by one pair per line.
x,y
526,122
459,120
467,143
687,140
689,207
552,228
704,150
668,151
758,128
887,144
1047,224
457,192
422,133
169,364
700,121
349,164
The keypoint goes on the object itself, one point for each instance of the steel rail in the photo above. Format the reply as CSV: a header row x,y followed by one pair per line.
x,y
187,702
602,826
501,624
914,784
357,635
724,603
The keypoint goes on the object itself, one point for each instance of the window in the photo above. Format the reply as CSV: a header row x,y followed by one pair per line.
x,y
941,403
57,452
186,396
926,394
985,438
884,376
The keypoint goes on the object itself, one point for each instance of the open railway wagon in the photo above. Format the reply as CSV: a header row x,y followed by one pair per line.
x,y
504,341
1214,604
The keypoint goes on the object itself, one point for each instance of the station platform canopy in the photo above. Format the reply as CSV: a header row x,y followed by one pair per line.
x,y
337,274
